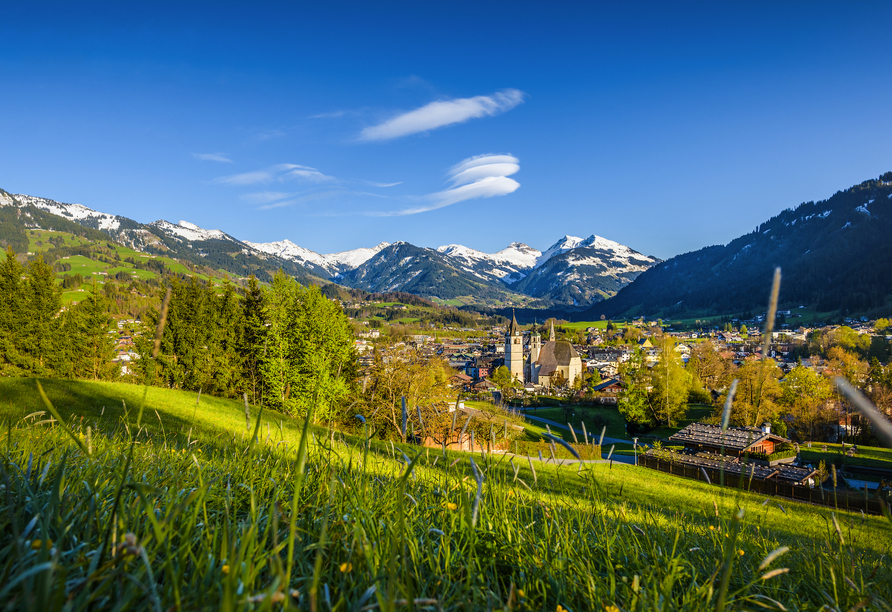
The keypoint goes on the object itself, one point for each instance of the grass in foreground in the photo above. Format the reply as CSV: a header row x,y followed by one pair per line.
x,y
188,512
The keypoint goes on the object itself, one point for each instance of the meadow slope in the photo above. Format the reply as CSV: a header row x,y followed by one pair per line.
x,y
190,506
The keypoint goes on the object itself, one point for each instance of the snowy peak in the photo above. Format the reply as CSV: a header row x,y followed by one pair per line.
x,y
356,257
333,264
74,212
520,254
189,231
561,246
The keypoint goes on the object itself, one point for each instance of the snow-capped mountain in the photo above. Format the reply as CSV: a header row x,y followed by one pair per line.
x,y
508,265
579,272
190,231
332,264
572,272
74,212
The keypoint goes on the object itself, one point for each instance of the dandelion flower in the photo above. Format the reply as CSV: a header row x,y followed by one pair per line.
x,y
225,569
520,593
611,609
451,506
38,544
346,567
711,528
740,552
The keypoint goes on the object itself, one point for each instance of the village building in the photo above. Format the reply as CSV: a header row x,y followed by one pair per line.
x,y
734,441
554,362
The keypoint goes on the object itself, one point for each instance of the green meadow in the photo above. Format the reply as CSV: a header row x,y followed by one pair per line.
x,y
153,499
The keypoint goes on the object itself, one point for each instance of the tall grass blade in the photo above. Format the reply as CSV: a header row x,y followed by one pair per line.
x,y
881,424
58,417
772,312
563,443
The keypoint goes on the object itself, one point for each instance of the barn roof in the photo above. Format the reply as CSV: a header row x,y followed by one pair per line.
x,y
733,438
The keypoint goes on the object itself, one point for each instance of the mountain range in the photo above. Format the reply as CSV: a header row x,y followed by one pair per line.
x,y
573,272
834,255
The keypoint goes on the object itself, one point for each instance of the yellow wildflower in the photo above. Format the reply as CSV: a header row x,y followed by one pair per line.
x,y
38,544
225,569
346,567
520,593
711,528
560,608
740,552
451,506
611,609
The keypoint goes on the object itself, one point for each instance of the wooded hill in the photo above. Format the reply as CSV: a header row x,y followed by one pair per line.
x,y
834,255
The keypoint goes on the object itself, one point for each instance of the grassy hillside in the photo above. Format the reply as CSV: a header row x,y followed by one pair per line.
x,y
182,510
102,261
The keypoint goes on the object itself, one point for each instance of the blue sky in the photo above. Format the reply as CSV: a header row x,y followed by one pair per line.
x,y
664,126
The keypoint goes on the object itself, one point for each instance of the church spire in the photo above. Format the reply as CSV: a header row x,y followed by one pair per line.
x,y
513,326
551,332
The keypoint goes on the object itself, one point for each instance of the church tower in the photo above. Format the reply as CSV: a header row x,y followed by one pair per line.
x,y
535,345
514,349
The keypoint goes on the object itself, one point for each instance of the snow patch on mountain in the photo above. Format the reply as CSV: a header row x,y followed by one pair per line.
x,y
333,263
75,212
356,257
189,231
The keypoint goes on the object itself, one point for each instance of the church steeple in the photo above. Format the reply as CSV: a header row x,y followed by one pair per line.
x,y
551,332
513,327
514,349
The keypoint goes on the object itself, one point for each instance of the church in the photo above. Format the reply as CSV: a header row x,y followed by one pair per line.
x,y
549,364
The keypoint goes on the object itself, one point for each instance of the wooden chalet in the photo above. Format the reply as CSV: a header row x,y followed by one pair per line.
x,y
733,466
734,441
612,385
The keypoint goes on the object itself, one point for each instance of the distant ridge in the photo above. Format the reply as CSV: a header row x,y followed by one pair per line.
x,y
835,254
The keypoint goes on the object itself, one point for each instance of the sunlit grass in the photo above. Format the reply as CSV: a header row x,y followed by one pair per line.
x,y
188,511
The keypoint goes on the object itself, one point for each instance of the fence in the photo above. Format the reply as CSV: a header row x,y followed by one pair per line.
x,y
869,503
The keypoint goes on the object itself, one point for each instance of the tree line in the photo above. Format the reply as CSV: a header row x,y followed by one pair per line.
x,y
39,338
802,403
285,346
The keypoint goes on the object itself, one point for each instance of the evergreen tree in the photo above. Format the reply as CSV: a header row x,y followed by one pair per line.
x,y
40,340
95,347
252,340
11,313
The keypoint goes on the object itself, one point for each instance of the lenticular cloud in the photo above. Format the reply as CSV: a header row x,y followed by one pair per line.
x,y
484,176
442,113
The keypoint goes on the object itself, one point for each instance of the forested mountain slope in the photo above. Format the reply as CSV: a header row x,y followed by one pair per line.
x,y
834,254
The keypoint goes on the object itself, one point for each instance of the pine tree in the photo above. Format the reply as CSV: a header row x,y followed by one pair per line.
x,y
11,313
252,340
42,303
96,347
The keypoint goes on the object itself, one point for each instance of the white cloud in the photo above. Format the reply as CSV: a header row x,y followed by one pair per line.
x,y
264,197
375,184
278,173
442,113
217,157
483,176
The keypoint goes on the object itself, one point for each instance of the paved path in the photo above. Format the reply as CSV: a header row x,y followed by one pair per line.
x,y
628,459
578,431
